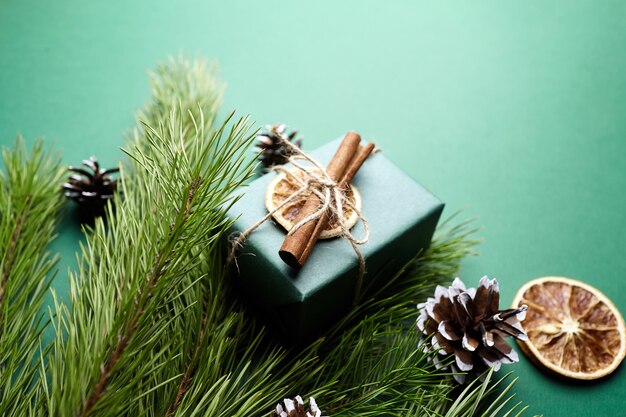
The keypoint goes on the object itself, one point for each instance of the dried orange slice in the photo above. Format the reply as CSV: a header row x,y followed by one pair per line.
x,y
284,185
573,329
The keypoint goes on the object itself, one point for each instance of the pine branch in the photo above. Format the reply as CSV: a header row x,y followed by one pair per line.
x,y
30,198
139,309
189,182
223,332
181,83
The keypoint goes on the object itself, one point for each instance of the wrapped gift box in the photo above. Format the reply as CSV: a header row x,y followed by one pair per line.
x,y
402,216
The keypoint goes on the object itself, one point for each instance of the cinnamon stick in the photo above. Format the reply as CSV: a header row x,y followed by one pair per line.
x,y
295,245
343,166
362,154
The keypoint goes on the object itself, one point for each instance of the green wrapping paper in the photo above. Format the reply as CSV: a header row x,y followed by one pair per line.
x,y
301,304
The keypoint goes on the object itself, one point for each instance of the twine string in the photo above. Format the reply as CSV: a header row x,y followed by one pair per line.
x,y
332,197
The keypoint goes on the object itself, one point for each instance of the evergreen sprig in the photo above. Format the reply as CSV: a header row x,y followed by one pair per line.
x,y
30,198
116,337
180,83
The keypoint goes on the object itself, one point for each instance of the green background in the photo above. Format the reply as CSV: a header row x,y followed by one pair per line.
x,y
514,110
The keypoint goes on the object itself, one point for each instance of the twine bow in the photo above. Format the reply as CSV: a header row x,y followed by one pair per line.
x,y
332,197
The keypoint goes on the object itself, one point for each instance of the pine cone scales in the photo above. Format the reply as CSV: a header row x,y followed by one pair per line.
x,y
295,408
271,144
467,325
91,188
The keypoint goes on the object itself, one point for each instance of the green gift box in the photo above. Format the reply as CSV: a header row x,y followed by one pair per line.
x,y
402,216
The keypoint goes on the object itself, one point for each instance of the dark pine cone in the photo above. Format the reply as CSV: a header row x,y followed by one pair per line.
x,y
271,145
465,324
91,188
295,408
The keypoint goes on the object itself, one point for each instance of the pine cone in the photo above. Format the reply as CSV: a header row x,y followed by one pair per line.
x,y
465,324
91,188
271,145
295,408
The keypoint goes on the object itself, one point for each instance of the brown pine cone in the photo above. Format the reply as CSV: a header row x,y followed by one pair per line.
x,y
467,326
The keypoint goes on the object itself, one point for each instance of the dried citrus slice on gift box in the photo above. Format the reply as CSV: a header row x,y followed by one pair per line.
x,y
284,185
573,329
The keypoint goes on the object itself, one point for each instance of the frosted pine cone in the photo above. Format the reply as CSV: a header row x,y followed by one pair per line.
x,y
467,325
91,188
295,408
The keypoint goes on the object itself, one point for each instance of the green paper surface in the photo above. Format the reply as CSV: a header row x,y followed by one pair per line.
x,y
401,215
513,111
